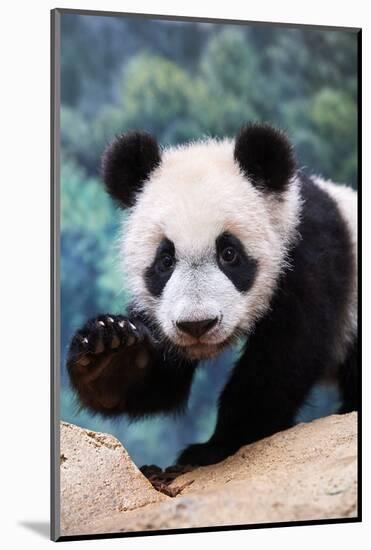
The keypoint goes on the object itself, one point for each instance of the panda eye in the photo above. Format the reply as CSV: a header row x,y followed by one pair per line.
x,y
165,263
229,256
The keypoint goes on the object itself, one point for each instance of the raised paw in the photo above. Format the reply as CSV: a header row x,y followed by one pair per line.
x,y
107,356
101,336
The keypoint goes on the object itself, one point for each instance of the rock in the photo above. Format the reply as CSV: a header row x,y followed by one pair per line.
x,y
98,479
306,473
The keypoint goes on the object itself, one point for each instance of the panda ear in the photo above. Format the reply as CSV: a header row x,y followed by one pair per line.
x,y
265,156
127,163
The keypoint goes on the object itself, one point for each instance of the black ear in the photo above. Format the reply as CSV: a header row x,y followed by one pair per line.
x,y
265,156
126,164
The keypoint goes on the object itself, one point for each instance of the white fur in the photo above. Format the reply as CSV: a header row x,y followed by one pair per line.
x,y
195,194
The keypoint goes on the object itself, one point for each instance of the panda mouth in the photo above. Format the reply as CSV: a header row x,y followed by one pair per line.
x,y
204,350
201,351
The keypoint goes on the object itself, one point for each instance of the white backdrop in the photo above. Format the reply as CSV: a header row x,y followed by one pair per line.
x,y
24,253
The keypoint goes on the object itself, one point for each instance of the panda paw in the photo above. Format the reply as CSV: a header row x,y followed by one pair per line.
x,y
103,335
202,454
107,356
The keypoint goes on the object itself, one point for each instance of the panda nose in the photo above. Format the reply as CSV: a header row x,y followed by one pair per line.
x,y
197,328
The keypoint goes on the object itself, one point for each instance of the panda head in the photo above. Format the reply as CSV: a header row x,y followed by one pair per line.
x,y
208,228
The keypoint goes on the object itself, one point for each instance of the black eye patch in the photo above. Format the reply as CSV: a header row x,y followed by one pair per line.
x,y
159,272
234,262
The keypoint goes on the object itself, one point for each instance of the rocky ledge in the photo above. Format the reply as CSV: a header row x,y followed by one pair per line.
x,y
306,473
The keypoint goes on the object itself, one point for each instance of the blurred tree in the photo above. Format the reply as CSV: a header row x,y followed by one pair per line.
x,y
90,279
229,71
158,93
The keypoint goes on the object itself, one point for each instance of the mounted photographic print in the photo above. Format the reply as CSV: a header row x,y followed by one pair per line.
x,y
205,364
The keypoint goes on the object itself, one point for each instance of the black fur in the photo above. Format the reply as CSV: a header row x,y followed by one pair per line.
x,y
241,272
348,380
127,163
155,276
265,156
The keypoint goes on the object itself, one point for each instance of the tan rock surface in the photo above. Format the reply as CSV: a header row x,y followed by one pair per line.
x,y
305,473
98,479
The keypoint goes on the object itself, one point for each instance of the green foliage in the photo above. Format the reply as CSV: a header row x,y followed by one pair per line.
x,y
182,81
90,277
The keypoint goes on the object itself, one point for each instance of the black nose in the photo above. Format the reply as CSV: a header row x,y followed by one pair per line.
x,y
197,328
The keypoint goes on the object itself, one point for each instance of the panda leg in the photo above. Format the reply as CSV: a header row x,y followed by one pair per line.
x,y
348,381
262,397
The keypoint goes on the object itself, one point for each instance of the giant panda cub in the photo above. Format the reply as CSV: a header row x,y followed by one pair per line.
x,y
224,239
